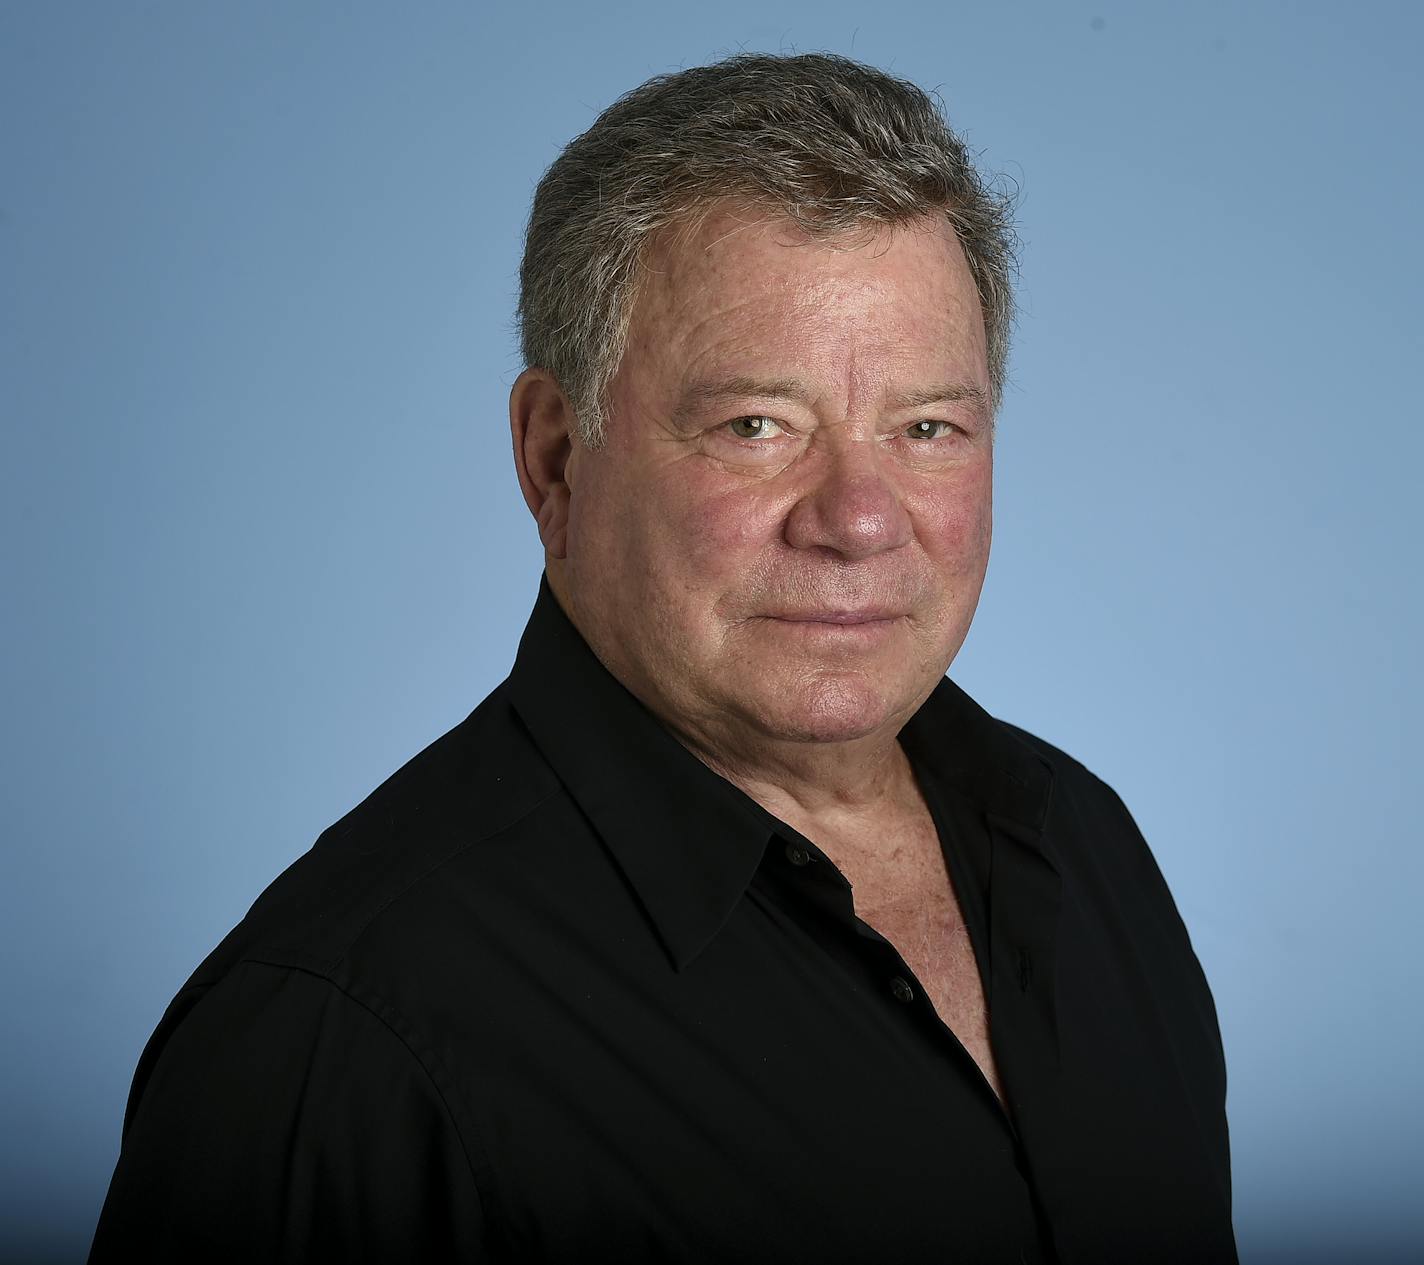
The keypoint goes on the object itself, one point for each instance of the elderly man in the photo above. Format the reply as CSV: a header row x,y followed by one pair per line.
x,y
727,928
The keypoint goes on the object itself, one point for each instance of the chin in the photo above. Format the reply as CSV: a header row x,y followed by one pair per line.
x,y
826,709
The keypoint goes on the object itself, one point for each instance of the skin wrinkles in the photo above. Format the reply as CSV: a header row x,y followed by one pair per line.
x,y
674,547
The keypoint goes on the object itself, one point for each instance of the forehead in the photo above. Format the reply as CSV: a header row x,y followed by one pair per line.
x,y
744,282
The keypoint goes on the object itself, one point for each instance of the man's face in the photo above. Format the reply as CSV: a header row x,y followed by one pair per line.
x,y
785,536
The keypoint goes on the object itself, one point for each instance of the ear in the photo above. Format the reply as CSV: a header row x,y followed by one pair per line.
x,y
541,423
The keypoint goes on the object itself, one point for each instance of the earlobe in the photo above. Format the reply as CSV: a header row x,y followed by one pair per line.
x,y
541,424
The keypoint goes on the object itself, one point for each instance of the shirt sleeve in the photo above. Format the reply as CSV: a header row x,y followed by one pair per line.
x,y
282,1120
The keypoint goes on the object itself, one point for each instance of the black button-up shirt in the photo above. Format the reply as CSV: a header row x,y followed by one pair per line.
x,y
558,992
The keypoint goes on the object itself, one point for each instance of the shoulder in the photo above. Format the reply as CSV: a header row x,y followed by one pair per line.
x,y
285,1119
471,786
1107,864
324,974
1110,875
1084,807
1066,769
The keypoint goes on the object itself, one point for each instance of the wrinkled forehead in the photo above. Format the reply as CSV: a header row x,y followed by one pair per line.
x,y
741,277
711,244
746,307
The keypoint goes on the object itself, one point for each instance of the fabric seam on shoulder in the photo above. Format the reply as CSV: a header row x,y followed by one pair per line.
x,y
395,1022
435,865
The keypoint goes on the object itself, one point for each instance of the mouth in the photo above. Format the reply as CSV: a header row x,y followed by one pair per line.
x,y
840,617
846,630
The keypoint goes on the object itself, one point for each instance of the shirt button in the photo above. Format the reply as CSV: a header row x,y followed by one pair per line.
x,y
796,854
900,986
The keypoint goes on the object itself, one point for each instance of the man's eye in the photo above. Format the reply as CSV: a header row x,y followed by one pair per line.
x,y
929,429
753,427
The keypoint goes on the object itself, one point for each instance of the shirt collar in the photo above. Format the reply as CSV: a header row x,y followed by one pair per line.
x,y
688,840
956,741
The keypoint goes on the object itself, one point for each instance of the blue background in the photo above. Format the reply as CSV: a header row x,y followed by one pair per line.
x,y
262,539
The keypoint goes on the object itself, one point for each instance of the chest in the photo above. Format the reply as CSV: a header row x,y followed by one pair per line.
x,y
912,903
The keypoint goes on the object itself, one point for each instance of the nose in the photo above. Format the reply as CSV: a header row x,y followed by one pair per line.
x,y
852,507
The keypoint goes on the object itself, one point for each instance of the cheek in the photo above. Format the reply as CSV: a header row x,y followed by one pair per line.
x,y
716,530
955,523
612,533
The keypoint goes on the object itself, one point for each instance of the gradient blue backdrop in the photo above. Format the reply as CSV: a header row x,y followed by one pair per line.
x,y
262,539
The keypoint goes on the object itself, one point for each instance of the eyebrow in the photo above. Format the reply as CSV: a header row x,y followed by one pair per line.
x,y
738,387
941,393
742,387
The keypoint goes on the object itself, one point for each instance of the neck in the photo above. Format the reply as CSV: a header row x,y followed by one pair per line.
x,y
825,790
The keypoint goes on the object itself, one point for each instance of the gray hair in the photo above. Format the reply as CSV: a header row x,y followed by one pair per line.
x,y
830,143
